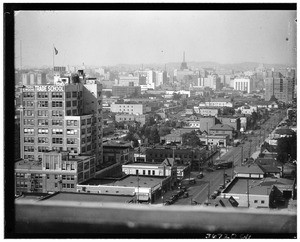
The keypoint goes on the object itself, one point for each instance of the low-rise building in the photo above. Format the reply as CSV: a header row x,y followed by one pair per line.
x,y
217,102
232,121
122,91
131,108
207,111
123,117
144,188
220,140
246,109
58,171
175,136
222,129
200,122
117,152
253,171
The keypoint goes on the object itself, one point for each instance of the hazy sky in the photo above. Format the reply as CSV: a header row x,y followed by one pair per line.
x,y
136,37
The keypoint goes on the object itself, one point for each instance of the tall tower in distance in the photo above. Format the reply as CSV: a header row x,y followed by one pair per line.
x,y
183,64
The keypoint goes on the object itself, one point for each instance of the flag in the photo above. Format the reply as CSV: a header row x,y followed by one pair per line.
x,y
56,51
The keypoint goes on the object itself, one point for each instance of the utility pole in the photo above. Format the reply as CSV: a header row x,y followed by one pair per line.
x,y
242,155
208,191
248,193
138,182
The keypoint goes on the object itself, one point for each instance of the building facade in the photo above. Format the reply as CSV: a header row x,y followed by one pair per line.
x,y
282,88
243,84
66,117
58,171
130,108
122,91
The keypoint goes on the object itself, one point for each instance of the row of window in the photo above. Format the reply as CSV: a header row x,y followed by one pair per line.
x,y
46,140
171,155
54,131
65,185
53,94
57,122
43,113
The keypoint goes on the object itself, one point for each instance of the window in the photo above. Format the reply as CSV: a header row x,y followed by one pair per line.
x,y
74,103
43,131
86,165
72,168
42,94
74,112
57,122
83,149
89,130
149,172
69,113
88,148
28,121
88,121
56,176
29,103
262,201
83,122
28,94
144,172
82,140
57,94
71,141
64,185
57,104
29,113
57,140
72,123
68,94
72,185
57,131
68,104
57,113
42,113
42,104
28,131
72,131
55,184
68,185
153,172
43,140
88,139
255,201
64,166
74,94
43,149
29,148
83,131
42,122
48,176
72,150
28,139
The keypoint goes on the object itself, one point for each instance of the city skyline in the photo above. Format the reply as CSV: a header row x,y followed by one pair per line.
x,y
136,37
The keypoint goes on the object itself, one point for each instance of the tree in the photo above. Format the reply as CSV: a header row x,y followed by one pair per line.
x,y
286,147
108,94
164,130
191,139
130,137
176,96
153,136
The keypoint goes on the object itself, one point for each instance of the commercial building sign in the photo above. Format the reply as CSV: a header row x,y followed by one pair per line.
x,y
44,88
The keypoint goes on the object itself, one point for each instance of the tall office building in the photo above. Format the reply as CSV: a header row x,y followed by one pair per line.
x,y
282,88
243,84
61,117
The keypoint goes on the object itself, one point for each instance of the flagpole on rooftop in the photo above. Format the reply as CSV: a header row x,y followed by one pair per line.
x,y
53,58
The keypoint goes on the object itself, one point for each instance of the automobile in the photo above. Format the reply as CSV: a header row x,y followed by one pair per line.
x,y
200,176
213,196
173,198
221,186
183,188
168,202
227,180
195,202
186,194
217,192
210,169
226,175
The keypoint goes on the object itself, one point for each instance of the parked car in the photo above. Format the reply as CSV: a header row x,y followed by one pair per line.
x,y
168,202
227,180
210,169
221,186
213,196
186,194
200,176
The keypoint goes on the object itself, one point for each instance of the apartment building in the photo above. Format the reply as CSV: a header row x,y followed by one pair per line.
x,y
130,108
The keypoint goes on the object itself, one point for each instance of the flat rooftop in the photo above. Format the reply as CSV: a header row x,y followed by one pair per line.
x,y
87,197
256,187
128,181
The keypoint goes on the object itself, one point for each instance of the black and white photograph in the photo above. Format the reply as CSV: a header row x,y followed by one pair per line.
x,y
150,120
